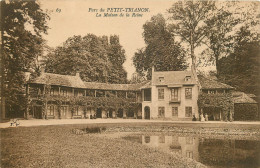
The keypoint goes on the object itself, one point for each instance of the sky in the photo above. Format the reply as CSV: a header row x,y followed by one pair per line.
x,y
73,17
79,17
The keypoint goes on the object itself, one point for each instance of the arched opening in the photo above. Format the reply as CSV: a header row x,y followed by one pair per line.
x,y
120,113
130,113
110,113
146,112
99,113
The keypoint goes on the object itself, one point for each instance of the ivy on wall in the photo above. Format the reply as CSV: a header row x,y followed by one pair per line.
x,y
220,100
94,102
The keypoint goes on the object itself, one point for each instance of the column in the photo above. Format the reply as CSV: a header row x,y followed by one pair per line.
x,y
46,110
59,90
44,89
28,89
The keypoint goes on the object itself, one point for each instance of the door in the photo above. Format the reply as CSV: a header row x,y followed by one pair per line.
x,y
147,113
64,111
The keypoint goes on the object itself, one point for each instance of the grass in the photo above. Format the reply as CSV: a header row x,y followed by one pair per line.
x,y
58,146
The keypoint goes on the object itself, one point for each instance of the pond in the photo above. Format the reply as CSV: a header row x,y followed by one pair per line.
x,y
213,152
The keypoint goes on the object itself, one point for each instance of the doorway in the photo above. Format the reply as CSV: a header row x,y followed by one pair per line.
x,y
99,113
120,113
147,112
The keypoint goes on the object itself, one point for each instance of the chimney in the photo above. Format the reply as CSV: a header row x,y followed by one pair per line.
x,y
42,71
152,68
77,74
27,76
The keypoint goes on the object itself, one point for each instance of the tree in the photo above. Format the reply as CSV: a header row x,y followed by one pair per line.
x,y
189,22
94,57
161,51
116,55
222,25
22,23
240,68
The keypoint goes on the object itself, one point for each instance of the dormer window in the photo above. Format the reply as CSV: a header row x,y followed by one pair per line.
x,y
188,78
161,79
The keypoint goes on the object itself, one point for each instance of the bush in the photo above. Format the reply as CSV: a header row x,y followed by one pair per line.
x,y
245,112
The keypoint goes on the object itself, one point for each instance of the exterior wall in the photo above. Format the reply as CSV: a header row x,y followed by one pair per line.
x,y
146,104
155,103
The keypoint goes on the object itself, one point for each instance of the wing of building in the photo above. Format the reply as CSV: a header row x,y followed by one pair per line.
x,y
170,95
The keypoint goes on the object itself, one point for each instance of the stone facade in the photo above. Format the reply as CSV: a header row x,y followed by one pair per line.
x,y
174,96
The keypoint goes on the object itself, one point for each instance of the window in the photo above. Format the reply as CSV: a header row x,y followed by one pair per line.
x,y
189,140
52,91
64,92
147,139
160,94
189,154
161,79
187,78
188,111
175,111
161,112
174,94
76,111
188,93
220,91
162,139
147,94
76,92
90,93
205,91
212,91
51,110
39,91
64,110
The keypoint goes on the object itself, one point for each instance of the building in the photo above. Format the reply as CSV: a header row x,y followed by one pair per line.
x,y
170,95
64,96
245,107
216,100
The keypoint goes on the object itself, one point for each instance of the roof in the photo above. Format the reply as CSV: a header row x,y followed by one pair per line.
x,y
59,80
251,95
173,78
76,82
241,97
146,85
207,83
109,86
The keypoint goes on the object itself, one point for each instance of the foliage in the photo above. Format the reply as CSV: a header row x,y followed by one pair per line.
x,y
161,50
188,22
93,102
246,112
226,19
221,24
240,69
23,23
94,57
222,100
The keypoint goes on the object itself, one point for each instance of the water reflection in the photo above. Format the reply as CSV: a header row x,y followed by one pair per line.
x,y
186,146
211,152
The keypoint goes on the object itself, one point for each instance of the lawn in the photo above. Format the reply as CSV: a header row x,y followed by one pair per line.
x,y
57,146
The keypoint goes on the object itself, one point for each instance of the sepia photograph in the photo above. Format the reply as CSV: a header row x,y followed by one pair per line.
x,y
130,83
